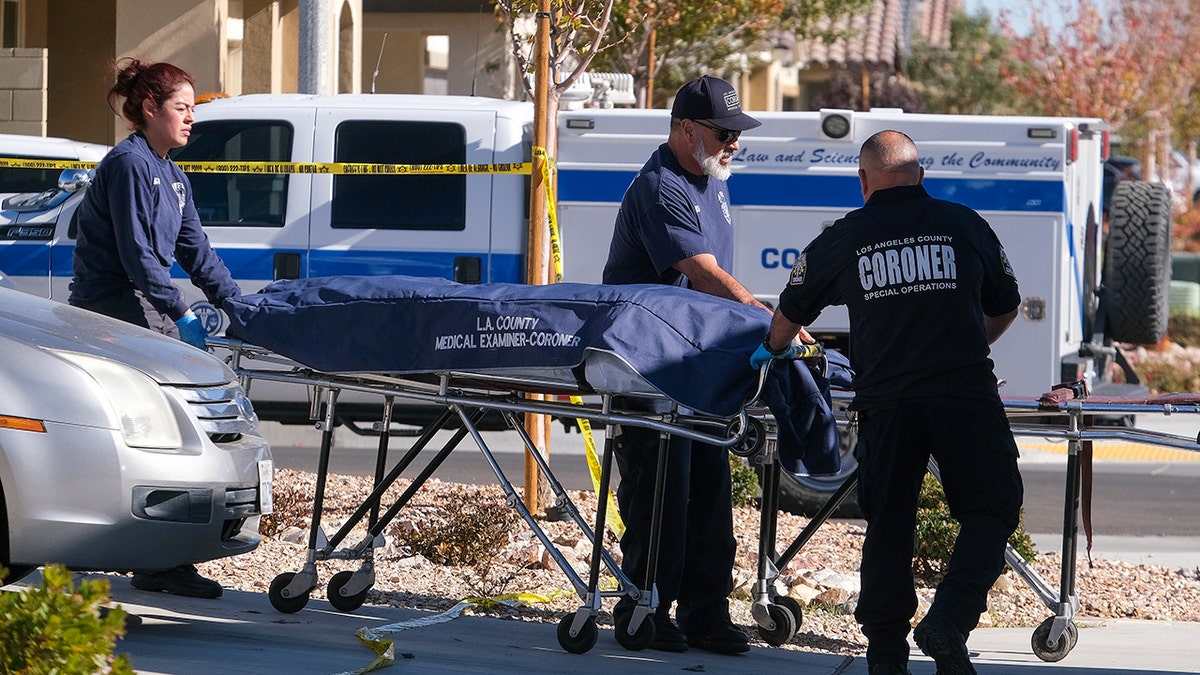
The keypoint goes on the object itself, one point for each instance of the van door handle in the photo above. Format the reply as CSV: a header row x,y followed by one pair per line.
x,y
468,269
286,266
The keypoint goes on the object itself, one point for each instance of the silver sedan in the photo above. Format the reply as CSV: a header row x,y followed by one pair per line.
x,y
120,449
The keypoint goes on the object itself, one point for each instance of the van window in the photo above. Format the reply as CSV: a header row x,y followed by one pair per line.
x,y
400,202
256,200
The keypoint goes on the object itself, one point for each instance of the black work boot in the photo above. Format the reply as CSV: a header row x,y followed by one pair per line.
x,y
723,639
182,580
888,669
667,636
945,645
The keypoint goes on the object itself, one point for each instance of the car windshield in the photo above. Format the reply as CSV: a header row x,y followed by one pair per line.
x,y
28,180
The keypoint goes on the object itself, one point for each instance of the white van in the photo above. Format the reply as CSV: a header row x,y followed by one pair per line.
x,y
1037,180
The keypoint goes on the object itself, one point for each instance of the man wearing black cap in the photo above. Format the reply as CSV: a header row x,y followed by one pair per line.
x,y
675,228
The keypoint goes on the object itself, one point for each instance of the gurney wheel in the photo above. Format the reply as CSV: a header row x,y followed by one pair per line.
x,y
753,439
785,626
640,639
581,643
793,606
285,605
1041,639
344,603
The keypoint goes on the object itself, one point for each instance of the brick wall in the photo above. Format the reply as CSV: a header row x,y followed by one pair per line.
x,y
23,91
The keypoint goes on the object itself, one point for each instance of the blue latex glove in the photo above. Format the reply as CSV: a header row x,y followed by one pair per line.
x,y
762,355
191,330
793,351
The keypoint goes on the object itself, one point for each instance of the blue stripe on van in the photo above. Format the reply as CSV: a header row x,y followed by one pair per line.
x,y
508,268
27,260
830,191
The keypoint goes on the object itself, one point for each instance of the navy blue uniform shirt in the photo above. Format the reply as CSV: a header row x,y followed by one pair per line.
x,y
667,215
918,275
136,218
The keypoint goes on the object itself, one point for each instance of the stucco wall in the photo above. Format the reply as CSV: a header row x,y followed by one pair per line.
x,y
80,48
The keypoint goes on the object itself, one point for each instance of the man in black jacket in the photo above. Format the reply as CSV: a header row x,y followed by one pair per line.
x,y
929,288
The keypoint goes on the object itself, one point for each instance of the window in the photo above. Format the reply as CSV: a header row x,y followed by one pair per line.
x,y
437,64
10,23
400,202
243,199
20,179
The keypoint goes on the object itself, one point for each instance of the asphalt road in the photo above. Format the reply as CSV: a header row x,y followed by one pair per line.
x,y
1129,498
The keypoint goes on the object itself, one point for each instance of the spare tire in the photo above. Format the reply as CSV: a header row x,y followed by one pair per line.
x,y
1137,263
805,495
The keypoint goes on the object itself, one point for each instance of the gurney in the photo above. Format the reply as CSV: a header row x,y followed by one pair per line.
x,y
473,350
1064,413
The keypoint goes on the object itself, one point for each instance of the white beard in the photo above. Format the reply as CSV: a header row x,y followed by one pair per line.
x,y
711,165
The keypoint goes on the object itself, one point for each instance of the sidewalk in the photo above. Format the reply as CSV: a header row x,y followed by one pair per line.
x,y
241,633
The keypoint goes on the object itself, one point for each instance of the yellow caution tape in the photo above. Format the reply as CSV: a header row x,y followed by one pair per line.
x,y
551,213
613,518
17,163
339,168
379,639
613,514
353,168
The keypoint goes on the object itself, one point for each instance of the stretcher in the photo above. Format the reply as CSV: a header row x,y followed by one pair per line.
x,y
474,350
1065,413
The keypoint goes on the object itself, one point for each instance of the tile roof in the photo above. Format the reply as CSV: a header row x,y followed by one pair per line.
x,y
882,31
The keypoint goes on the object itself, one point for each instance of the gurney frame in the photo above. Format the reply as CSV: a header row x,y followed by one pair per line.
x,y
779,616
466,398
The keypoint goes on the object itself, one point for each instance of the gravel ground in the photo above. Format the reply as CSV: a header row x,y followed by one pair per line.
x,y
823,577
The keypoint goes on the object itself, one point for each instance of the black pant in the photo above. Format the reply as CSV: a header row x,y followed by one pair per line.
x,y
977,458
131,306
697,547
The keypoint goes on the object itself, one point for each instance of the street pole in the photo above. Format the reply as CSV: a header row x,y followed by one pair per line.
x,y
315,55
537,267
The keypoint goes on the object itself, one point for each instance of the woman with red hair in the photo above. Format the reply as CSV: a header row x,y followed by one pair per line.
x,y
136,219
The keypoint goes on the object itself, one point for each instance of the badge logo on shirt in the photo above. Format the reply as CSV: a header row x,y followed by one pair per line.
x,y
799,271
724,207
1007,265
181,194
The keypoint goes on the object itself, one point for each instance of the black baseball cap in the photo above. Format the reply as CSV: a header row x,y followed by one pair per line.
x,y
712,99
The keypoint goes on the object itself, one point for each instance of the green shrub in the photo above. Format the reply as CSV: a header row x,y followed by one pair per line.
x,y
468,536
1184,330
745,482
936,531
56,627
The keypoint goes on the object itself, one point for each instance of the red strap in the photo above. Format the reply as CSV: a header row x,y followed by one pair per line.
x,y
1054,398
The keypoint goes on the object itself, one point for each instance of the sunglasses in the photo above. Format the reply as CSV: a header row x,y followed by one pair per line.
x,y
724,136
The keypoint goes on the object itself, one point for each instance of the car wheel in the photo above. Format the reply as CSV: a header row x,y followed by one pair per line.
x,y
1137,267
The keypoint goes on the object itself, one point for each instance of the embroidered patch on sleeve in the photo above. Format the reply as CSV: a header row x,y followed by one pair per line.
x,y
799,271
1007,265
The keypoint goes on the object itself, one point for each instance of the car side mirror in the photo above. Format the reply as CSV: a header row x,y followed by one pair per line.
x,y
73,180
